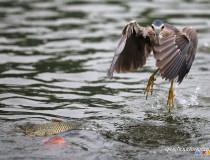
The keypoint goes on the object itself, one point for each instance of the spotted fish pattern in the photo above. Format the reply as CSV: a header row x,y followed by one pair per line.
x,y
47,129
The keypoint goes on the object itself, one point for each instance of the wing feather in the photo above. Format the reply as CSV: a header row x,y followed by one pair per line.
x,y
175,54
132,50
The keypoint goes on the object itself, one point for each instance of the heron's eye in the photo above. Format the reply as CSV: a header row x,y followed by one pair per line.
x,y
162,27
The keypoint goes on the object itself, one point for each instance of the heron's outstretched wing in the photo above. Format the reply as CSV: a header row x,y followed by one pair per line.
x,y
132,50
175,54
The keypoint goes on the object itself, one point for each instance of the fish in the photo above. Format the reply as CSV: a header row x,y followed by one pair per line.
x,y
47,129
54,140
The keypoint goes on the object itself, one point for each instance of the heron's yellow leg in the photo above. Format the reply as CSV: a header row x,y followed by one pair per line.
x,y
150,84
170,102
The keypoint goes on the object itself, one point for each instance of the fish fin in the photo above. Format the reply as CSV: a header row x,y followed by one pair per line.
x,y
55,120
54,140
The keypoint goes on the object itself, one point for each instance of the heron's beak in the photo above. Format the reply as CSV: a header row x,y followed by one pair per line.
x,y
157,32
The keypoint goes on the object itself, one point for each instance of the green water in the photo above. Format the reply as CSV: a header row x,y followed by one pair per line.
x,y
54,55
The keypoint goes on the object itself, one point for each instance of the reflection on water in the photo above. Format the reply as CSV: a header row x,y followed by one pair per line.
x,y
54,56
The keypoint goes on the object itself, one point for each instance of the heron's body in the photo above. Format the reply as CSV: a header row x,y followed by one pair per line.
x,y
173,50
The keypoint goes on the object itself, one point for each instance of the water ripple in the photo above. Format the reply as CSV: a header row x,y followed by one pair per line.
x,y
54,55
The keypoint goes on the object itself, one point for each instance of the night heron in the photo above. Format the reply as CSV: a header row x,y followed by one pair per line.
x,y
173,50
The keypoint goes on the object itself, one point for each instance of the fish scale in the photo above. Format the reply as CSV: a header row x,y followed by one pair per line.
x,y
47,129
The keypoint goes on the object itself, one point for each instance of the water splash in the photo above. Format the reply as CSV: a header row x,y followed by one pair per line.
x,y
191,101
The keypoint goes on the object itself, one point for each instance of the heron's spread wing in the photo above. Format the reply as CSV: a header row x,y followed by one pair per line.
x,y
132,50
175,54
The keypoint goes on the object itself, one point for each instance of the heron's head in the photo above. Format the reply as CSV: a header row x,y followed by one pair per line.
x,y
157,27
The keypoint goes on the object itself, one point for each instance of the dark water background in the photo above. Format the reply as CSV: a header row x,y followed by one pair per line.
x,y
54,55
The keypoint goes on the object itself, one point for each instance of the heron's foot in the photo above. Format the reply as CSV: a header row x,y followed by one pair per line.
x,y
150,84
170,102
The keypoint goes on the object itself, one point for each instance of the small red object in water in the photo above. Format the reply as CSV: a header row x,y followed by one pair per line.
x,y
56,140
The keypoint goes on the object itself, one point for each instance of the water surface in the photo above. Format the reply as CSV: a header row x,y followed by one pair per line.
x,y
54,56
